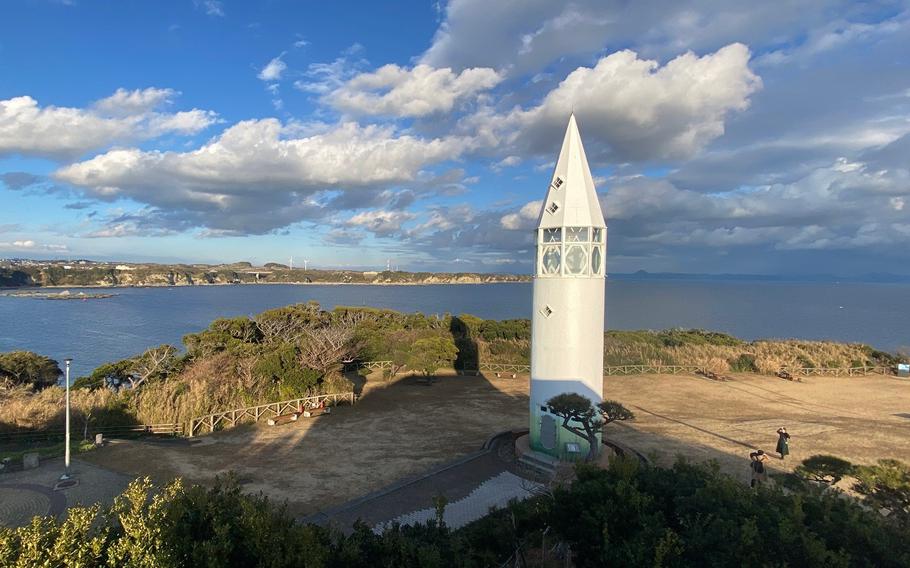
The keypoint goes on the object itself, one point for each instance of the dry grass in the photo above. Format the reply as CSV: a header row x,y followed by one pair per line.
x,y
218,382
764,356
21,408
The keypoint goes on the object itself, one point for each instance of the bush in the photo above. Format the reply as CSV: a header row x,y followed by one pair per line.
x,y
887,485
282,366
824,469
628,515
745,363
27,368
691,515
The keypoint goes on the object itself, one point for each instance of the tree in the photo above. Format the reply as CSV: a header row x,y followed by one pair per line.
x,y
282,366
824,469
584,419
287,324
27,368
887,484
324,349
430,353
155,363
111,375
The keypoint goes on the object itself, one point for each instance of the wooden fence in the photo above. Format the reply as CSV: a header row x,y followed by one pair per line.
x,y
841,371
230,418
652,369
617,370
80,433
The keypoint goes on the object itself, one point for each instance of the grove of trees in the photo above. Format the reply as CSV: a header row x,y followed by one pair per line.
x,y
628,515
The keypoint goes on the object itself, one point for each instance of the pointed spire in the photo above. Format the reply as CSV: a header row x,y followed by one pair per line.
x,y
571,198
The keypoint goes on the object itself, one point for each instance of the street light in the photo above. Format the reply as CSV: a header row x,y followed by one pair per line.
x,y
66,455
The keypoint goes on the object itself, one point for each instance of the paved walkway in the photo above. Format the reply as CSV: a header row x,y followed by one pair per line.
x,y
496,493
24,494
471,485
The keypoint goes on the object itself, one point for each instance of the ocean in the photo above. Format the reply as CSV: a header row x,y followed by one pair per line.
x,y
93,332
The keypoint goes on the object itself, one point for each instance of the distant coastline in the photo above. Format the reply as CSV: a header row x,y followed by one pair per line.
x,y
25,273
21,274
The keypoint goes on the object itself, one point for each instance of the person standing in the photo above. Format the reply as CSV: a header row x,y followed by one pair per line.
x,y
783,442
759,472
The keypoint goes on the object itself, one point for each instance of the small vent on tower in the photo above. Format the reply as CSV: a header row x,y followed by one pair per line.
x,y
553,208
557,182
546,311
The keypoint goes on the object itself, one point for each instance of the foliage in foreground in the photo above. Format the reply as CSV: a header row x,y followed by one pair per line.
x,y
628,515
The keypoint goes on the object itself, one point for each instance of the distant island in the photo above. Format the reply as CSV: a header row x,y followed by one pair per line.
x,y
20,273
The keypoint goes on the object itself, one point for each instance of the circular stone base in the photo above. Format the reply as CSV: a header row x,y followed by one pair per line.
x,y
19,503
66,484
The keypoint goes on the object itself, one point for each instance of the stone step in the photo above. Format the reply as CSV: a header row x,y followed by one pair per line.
x,y
540,463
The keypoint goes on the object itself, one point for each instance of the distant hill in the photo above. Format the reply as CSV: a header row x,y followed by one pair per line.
x,y
870,277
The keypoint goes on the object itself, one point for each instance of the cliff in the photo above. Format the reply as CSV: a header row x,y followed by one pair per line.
x,y
100,274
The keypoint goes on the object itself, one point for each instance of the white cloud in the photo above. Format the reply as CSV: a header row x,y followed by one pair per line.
x,y
321,78
381,223
256,178
422,90
31,245
507,162
273,69
639,109
60,132
525,217
139,101
211,7
526,36
833,35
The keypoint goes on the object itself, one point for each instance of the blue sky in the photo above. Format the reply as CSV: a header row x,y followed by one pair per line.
x,y
724,137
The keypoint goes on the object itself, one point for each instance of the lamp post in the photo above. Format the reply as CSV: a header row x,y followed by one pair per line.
x,y
66,455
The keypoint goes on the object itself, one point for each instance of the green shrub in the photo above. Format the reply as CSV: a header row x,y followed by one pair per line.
x,y
745,363
824,469
27,368
282,366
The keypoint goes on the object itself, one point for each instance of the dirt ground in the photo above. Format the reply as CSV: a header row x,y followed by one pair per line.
x,y
402,429
861,419
394,431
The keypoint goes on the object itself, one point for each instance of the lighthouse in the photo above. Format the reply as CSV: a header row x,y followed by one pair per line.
x,y
567,325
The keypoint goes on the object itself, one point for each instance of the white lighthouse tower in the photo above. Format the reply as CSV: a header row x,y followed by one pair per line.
x,y
567,326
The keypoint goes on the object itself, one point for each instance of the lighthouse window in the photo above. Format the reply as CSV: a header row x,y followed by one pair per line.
x,y
552,235
576,234
546,311
596,259
598,235
550,260
557,182
576,260
553,208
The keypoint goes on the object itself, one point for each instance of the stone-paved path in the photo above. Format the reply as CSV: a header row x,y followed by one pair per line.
x,y
455,481
24,494
496,492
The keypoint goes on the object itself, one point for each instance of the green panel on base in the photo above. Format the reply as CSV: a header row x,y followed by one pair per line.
x,y
563,438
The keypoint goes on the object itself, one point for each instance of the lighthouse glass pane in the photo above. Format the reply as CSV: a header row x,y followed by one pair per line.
x,y
576,234
550,260
552,235
598,235
576,260
595,260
